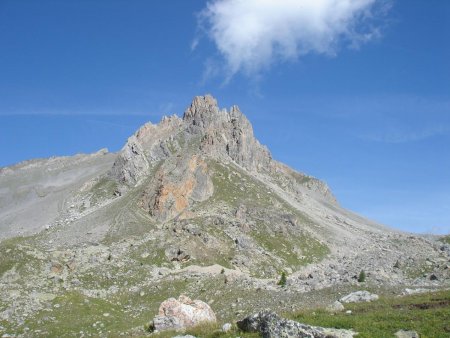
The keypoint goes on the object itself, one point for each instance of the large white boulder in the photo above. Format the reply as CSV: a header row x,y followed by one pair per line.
x,y
182,312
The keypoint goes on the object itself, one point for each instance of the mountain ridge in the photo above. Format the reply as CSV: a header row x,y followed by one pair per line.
x,y
196,205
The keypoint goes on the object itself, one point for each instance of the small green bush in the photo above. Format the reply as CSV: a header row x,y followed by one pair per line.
x,y
283,279
362,277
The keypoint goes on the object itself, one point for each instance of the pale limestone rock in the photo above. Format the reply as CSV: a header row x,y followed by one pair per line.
x,y
406,334
184,312
335,307
358,297
270,325
226,327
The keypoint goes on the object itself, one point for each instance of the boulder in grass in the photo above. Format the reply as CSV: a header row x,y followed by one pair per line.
x,y
181,313
335,307
359,297
406,334
270,325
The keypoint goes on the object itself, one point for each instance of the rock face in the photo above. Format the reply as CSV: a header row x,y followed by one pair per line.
x,y
175,190
132,164
359,297
184,312
270,325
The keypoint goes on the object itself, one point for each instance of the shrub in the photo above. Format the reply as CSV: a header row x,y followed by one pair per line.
x,y
283,279
362,277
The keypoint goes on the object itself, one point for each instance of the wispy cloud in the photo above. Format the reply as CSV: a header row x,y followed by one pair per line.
x,y
64,112
402,135
251,35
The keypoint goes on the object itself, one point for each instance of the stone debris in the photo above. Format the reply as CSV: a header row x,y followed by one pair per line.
x,y
270,325
359,297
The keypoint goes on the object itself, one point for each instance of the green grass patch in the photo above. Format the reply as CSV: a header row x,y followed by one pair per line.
x,y
233,186
103,189
282,246
428,314
13,254
73,312
418,270
445,239
146,254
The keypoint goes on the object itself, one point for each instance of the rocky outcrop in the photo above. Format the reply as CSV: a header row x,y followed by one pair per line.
x,y
149,145
359,297
182,313
131,164
204,113
175,189
270,325
231,137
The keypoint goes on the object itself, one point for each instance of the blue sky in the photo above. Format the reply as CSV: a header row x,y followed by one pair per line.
x,y
357,95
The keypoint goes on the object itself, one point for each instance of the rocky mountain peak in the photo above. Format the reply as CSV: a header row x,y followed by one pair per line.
x,y
172,158
202,112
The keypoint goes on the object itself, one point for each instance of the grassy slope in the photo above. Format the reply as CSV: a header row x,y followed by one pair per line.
x,y
427,314
446,239
234,187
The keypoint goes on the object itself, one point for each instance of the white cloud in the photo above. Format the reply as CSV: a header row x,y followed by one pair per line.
x,y
396,134
253,34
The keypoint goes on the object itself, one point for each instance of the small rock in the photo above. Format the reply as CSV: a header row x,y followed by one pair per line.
x,y
406,334
46,297
226,327
56,267
335,307
433,277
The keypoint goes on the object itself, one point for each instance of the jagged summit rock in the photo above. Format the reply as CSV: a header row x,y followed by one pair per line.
x,y
203,112
205,130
